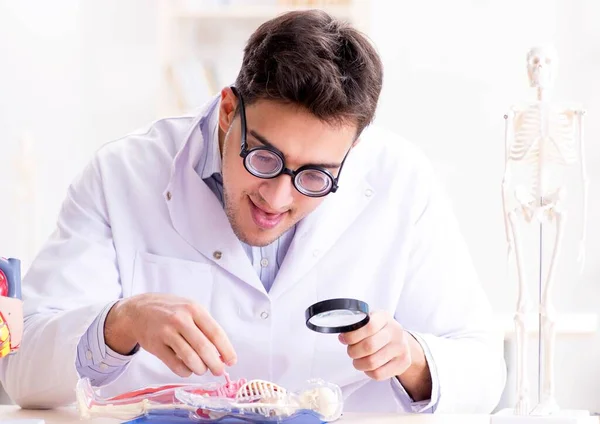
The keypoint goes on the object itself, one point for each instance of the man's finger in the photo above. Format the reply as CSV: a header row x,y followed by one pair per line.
x,y
170,359
370,345
216,335
187,354
384,372
204,348
376,322
376,360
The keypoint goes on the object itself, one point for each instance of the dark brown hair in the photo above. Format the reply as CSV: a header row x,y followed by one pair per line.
x,y
310,59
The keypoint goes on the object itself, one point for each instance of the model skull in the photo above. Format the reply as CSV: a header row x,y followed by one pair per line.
x,y
542,63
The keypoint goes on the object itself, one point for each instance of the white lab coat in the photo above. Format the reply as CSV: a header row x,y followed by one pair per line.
x,y
140,219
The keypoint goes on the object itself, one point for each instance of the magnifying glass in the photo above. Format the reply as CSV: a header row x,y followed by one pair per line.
x,y
337,315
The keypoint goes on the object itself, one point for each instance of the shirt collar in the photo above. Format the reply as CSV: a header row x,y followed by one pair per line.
x,y
210,133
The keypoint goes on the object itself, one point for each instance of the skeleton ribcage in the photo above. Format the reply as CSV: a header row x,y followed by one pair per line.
x,y
260,391
542,141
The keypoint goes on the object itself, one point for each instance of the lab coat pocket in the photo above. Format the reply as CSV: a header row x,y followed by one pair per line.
x,y
180,277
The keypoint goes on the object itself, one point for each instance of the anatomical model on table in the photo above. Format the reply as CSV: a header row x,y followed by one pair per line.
x,y
11,306
544,140
253,401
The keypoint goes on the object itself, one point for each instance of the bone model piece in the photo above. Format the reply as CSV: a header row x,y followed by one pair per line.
x,y
544,140
268,399
260,391
130,405
212,401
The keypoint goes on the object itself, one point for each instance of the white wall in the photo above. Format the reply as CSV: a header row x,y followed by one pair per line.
x,y
73,75
77,74
39,84
452,71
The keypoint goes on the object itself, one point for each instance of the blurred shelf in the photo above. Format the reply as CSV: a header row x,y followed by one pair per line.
x,y
255,11
201,42
566,324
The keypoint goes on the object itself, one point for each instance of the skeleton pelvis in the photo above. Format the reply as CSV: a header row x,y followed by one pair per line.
x,y
543,209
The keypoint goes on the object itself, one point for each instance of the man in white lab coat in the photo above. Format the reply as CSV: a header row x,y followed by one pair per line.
x,y
194,248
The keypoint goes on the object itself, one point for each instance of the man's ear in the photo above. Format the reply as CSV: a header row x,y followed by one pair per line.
x,y
227,108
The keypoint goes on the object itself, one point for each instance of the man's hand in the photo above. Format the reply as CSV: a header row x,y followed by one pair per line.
x,y
180,333
382,349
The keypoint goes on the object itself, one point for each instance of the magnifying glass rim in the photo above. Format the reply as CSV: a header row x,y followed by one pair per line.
x,y
329,305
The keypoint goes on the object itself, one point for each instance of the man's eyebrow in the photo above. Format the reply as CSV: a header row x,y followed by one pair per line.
x,y
263,140
267,143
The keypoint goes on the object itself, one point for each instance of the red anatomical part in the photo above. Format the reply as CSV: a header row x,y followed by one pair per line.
x,y
3,284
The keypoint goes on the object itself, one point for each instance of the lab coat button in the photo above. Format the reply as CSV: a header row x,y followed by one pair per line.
x,y
368,192
217,255
264,262
103,366
89,355
264,315
169,195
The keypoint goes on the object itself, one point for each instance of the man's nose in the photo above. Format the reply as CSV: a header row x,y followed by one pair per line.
x,y
278,192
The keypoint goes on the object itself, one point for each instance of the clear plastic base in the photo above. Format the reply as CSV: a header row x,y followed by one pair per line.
x,y
241,401
182,417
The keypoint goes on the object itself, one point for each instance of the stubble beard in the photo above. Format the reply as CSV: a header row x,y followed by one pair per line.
x,y
232,215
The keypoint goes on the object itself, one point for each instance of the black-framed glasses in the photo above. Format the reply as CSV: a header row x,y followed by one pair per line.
x,y
267,162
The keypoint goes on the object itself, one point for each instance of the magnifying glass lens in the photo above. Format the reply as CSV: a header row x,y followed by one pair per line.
x,y
337,318
337,315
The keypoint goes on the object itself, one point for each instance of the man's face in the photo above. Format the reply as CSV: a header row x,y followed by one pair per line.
x,y
260,210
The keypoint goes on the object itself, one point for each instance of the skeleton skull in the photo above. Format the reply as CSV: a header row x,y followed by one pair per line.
x,y
542,65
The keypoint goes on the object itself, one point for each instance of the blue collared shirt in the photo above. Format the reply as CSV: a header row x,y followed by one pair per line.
x,y
99,362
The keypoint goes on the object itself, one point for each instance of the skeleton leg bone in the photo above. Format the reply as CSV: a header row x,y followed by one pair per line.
x,y
547,404
523,307
527,202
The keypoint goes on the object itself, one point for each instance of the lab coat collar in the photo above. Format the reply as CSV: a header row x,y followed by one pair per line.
x,y
318,232
213,161
196,213
208,230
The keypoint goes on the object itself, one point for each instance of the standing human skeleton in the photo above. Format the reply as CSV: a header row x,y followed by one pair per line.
x,y
544,139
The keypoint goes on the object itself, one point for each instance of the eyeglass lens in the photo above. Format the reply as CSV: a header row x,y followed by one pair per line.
x,y
264,163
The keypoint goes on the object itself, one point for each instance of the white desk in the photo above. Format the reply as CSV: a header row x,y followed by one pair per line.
x,y
567,325
70,416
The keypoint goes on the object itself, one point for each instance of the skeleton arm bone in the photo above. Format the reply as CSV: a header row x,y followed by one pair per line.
x,y
585,184
508,119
